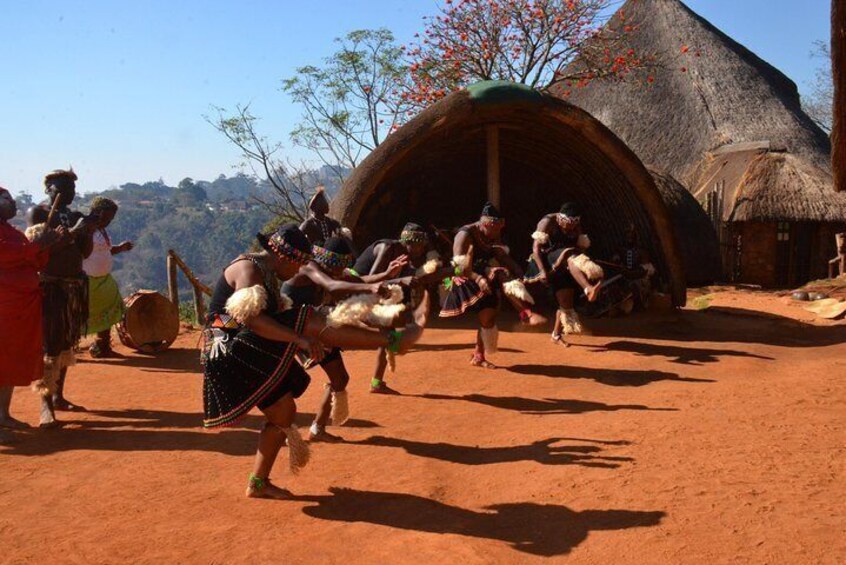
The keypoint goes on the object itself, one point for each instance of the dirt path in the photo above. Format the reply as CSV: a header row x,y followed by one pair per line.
x,y
699,437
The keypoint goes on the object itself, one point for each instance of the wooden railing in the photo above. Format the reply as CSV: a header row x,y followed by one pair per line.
x,y
199,289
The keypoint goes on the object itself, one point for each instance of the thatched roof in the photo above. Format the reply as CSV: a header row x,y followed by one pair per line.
x,y
727,96
433,171
697,239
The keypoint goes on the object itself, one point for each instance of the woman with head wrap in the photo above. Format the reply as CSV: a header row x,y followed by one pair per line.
x,y
105,304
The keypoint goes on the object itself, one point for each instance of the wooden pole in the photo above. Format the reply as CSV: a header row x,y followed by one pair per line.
x,y
172,286
199,306
493,165
838,74
189,274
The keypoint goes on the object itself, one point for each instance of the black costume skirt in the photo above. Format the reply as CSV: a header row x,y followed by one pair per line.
x,y
464,295
560,279
65,312
243,370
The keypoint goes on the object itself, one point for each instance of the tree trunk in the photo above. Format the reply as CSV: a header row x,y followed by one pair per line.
x,y
838,60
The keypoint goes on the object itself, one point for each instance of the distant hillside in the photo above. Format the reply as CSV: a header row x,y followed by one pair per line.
x,y
207,223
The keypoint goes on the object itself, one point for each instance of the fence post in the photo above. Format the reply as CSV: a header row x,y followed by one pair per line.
x,y
172,288
199,306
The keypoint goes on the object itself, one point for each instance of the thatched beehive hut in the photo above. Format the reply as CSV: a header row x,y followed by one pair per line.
x,y
698,243
527,152
729,126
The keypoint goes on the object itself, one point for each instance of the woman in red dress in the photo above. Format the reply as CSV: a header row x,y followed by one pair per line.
x,y
21,355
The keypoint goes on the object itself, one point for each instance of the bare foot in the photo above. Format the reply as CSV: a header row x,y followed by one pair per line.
x,y
325,437
268,490
383,389
51,425
63,405
535,319
559,340
593,292
13,424
479,361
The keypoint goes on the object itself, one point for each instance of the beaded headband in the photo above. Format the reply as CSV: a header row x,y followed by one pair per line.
x,y
284,249
411,236
491,221
333,260
568,221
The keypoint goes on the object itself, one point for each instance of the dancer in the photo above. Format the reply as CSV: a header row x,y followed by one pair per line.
x,y
319,227
65,288
483,269
423,262
250,344
105,304
559,262
21,355
324,280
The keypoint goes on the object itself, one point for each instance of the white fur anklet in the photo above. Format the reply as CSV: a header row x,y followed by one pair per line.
x,y
340,408
298,450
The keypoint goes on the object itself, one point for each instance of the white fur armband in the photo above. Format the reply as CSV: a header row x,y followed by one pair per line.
x,y
541,237
432,264
247,303
36,232
591,270
285,303
462,262
346,233
517,289
583,241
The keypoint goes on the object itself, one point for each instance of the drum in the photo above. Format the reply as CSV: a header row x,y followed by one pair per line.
x,y
150,324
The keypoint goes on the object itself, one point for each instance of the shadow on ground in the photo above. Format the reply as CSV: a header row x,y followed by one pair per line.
x,y
542,405
538,529
544,452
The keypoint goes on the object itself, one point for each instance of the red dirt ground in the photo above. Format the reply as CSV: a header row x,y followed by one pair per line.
x,y
709,436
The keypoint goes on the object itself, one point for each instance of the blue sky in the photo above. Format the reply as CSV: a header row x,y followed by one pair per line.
x,y
119,88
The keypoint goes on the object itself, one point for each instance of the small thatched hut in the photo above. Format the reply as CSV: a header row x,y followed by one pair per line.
x,y
527,152
697,239
730,127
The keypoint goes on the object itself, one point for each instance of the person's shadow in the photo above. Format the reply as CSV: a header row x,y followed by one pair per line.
x,y
542,406
545,452
539,529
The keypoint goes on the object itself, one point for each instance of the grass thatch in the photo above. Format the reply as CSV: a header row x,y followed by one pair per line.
x,y
697,239
725,95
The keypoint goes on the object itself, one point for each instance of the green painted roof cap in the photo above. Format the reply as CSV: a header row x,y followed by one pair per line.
x,y
495,91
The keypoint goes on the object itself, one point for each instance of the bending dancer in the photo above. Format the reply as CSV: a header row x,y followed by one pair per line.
x,y
65,288
423,263
323,280
483,269
250,344
21,355
558,261
105,304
